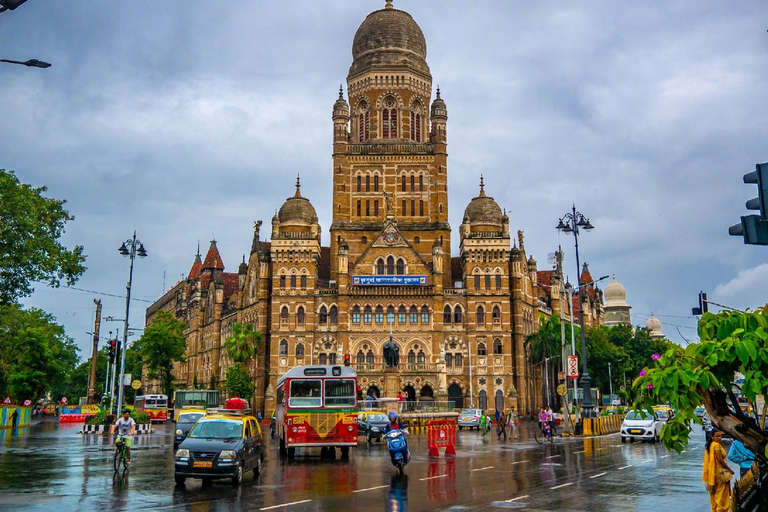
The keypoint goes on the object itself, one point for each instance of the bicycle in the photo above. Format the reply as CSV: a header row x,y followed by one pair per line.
x,y
120,455
544,431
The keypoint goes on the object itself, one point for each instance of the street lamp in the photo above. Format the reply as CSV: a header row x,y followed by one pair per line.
x,y
31,63
570,223
9,5
131,248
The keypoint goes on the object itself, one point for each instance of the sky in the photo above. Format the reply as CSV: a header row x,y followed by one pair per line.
x,y
186,121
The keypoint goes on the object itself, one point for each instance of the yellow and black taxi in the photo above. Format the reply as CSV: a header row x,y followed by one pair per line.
x,y
187,420
222,444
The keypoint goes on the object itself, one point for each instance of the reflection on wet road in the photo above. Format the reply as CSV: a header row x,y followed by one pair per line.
x,y
52,466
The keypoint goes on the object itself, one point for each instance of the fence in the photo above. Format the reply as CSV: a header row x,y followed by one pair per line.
x,y
750,492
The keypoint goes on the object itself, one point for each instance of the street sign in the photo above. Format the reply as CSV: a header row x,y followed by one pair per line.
x,y
27,402
127,379
562,390
573,367
136,384
7,400
64,400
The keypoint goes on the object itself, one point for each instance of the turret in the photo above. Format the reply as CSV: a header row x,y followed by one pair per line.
x,y
341,119
439,116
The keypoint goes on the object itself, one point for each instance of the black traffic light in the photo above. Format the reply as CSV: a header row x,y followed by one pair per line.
x,y
111,351
346,359
754,228
703,305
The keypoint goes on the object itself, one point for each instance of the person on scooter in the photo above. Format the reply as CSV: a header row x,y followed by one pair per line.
x,y
395,424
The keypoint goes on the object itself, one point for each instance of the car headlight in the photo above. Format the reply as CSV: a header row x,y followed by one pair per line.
x,y
227,456
374,429
179,432
182,453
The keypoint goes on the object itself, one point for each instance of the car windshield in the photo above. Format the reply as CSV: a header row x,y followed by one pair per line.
x,y
217,429
469,412
662,414
190,417
638,415
373,418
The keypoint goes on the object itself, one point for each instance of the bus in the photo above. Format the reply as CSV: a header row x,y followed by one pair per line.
x,y
156,406
193,398
317,407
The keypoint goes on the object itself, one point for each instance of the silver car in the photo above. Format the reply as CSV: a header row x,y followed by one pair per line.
x,y
469,418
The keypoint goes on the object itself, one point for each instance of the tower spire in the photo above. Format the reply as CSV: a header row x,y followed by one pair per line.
x,y
298,186
482,187
389,5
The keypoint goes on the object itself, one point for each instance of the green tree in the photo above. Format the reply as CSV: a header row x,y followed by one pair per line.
x,y
546,343
239,382
76,382
30,227
703,373
162,344
35,354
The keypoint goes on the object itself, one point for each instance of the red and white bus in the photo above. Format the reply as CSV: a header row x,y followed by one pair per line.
x,y
156,406
317,406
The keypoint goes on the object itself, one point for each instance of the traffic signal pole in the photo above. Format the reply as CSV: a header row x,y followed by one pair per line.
x,y
754,228
112,381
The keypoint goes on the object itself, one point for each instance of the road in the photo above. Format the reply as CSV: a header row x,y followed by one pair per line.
x,y
50,466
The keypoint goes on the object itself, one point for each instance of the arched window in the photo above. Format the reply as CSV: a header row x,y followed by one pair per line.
x,y
487,282
334,315
411,357
389,122
457,315
496,315
363,127
356,314
457,360
323,359
376,183
497,347
401,314
379,315
413,313
421,357
415,126
369,357
390,265
477,282
480,315
499,400
481,349
284,315
448,359
283,347
300,350
391,314
400,266
424,315
483,399
300,315
322,317
380,267
498,282
360,357
367,314
447,315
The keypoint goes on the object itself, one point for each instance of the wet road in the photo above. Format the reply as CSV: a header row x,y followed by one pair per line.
x,y
50,466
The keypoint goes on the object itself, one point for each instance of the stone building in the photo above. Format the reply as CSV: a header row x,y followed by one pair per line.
x,y
389,265
616,307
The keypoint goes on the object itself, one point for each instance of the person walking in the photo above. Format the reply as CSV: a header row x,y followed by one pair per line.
x,y
501,426
511,420
716,474
484,428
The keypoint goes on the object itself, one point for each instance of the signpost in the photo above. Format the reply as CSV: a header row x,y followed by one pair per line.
x,y
136,384
573,367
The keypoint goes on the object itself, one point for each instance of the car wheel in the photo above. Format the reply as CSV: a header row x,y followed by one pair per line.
x,y
623,439
257,467
180,480
237,478
368,437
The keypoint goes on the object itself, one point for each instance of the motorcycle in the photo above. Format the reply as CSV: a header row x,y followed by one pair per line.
x,y
398,448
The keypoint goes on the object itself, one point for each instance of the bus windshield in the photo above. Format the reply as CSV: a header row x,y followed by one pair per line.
x,y
305,393
340,392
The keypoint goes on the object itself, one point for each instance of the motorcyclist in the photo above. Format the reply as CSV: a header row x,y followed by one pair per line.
x,y
395,424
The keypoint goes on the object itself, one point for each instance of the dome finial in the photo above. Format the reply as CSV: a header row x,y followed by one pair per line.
x,y
438,91
298,186
341,92
482,187
389,5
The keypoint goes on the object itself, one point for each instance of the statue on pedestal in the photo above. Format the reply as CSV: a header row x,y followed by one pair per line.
x,y
391,353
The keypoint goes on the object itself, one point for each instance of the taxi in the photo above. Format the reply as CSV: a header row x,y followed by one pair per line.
x,y
372,425
222,444
187,419
664,412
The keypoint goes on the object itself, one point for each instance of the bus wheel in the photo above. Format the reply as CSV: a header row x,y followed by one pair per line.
x,y
291,452
345,451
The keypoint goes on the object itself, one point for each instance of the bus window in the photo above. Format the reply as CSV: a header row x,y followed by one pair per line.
x,y
305,393
149,402
340,392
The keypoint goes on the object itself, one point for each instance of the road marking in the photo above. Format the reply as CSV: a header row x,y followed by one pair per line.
x,y
559,486
518,498
625,467
649,460
664,456
582,451
597,476
371,488
615,446
518,462
289,504
694,448
429,478
551,457
479,469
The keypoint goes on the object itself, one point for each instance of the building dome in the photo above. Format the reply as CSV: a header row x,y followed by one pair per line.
x,y
615,294
389,37
483,210
654,327
297,209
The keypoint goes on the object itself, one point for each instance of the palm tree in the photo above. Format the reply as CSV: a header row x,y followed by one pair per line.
x,y
545,343
244,343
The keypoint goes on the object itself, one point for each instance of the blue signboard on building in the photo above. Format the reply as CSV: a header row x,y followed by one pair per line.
x,y
389,280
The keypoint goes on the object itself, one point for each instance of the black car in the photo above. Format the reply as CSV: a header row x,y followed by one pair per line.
x,y
372,425
220,446
184,424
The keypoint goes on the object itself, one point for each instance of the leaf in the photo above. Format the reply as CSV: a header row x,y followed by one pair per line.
x,y
742,353
751,349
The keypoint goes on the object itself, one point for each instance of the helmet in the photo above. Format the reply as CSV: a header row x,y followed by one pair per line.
x,y
392,416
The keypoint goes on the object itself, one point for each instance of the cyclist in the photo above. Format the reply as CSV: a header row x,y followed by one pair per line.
x,y
544,424
126,427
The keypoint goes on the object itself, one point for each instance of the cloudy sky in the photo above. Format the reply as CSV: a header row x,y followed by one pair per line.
x,y
188,120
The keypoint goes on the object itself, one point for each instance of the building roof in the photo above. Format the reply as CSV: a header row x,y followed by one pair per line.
x,y
213,258
297,209
197,267
544,277
483,210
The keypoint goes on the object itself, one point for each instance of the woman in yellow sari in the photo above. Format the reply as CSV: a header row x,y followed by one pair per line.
x,y
714,462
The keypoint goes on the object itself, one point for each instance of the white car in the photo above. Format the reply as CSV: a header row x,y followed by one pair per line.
x,y
640,425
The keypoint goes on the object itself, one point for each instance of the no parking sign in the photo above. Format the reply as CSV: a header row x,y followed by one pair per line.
x,y
64,400
573,367
27,402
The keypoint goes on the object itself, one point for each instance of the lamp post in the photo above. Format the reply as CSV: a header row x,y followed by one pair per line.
x,y
31,63
570,223
131,248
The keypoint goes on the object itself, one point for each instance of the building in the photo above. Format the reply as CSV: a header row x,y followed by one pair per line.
x,y
616,307
389,266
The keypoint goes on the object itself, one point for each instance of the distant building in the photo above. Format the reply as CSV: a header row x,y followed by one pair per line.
x,y
653,325
616,307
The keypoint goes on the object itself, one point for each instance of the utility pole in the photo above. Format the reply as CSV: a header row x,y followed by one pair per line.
x,y
92,382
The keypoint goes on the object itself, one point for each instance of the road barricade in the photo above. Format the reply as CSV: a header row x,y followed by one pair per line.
x,y
441,433
602,425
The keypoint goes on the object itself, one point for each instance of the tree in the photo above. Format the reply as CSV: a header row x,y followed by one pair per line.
x,y
239,382
162,344
703,373
76,382
242,347
546,343
30,226
35,354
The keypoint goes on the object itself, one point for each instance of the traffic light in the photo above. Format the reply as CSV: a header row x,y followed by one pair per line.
x,y
754,228
346,359
111,351
703,305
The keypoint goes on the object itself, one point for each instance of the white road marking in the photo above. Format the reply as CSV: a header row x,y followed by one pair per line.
x,y
519,462
597,476
518,498
649,460
582,451
664,456
551,457
430,478
370,488
559,486
615,446
625,467
479,469
289,504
